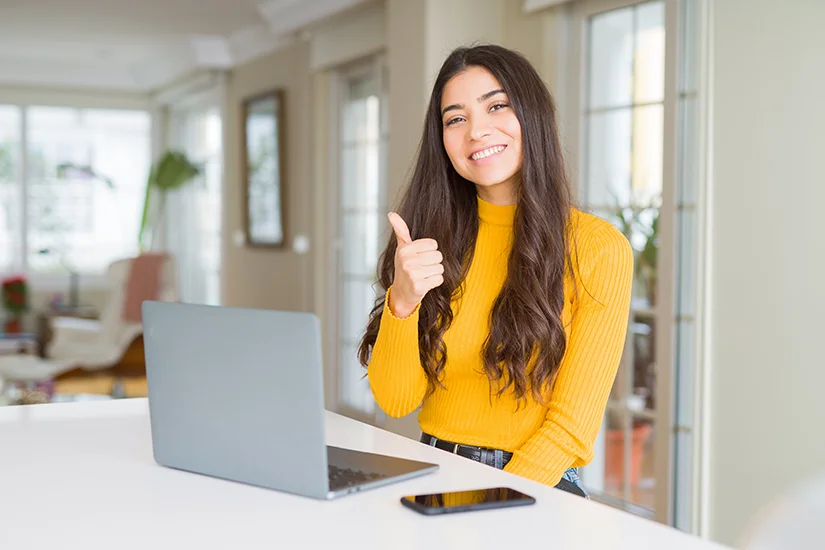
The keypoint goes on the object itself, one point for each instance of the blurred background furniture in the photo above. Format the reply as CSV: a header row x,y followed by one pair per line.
x,y
80,350
12,344
46,318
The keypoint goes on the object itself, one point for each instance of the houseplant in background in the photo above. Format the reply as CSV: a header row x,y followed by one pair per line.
x,y
15,302
85,172
639,222
172,171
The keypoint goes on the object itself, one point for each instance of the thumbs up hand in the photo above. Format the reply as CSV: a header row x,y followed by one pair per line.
x,y
418,269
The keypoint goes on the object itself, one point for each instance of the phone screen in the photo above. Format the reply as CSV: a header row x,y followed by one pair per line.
x,y
467,500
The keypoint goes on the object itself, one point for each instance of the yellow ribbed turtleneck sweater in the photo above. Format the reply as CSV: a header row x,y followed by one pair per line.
x,y
545,439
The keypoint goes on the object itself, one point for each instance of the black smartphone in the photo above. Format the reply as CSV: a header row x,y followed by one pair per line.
x,y
466,501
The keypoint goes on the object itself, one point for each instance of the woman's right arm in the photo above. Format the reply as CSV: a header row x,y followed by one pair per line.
x,y
397,379
396,375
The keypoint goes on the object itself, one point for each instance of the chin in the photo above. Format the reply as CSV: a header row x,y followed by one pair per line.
x,y
491,180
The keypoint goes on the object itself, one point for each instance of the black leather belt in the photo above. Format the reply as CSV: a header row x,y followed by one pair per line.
x,y
491,457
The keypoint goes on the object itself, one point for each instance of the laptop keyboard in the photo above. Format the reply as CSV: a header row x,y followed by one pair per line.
x,y
341,478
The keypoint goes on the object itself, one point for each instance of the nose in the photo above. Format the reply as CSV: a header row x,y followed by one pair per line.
x,y
480,128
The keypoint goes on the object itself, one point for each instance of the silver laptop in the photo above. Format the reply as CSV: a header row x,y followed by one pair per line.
x,y
238,394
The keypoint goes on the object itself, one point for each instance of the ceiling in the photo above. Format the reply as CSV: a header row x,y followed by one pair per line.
x,y
142,45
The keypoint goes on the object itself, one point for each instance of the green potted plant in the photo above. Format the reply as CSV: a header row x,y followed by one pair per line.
x,y
639,222
172,171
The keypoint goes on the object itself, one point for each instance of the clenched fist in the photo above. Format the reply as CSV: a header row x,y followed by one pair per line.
x,y
418,269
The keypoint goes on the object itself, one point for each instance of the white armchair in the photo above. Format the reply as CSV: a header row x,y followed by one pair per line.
x,y
96,344
89,344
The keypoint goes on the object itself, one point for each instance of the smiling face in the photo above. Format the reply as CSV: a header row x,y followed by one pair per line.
x,y
482,135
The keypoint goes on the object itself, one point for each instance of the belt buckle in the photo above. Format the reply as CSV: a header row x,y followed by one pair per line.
x,y
455,448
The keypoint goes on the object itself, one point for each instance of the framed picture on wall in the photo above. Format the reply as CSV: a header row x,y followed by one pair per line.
x,y
263,169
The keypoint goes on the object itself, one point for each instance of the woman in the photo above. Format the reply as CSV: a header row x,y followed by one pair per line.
x,y
505,309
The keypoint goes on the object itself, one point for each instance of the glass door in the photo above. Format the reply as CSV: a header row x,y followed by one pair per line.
x,y
360,226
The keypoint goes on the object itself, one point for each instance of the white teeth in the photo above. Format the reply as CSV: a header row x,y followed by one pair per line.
x,y
487,152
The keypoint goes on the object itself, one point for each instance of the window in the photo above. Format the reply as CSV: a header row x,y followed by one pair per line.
x,y
640,161
11,191
76,202
623,174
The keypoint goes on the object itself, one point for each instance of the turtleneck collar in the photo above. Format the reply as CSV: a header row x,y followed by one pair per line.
x,y
496,215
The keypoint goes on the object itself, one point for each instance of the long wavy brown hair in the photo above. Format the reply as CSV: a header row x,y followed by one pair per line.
x,y
438,203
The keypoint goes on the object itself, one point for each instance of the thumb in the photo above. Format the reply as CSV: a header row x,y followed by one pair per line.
x,y
402,232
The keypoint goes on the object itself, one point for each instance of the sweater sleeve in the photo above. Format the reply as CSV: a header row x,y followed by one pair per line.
x,y
397,379
586,374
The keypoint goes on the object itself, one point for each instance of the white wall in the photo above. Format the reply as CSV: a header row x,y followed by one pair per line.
x,y
767,417
408,93
459,23
355,35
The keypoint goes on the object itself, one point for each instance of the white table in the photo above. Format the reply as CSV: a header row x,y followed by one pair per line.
x,y
81,475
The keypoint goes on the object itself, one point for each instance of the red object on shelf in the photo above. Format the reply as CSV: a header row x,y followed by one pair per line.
x,y
15,296
13,326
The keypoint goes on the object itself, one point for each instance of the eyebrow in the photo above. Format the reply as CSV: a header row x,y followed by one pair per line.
x,y
458,106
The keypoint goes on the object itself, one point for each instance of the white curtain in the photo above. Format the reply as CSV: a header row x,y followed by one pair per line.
x,y
191,225
184,240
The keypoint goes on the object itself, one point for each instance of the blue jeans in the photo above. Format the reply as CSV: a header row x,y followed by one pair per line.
x,y
572,475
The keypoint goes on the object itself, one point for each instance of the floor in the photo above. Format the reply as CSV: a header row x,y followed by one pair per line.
x,y
74,389
101,385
